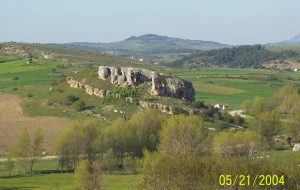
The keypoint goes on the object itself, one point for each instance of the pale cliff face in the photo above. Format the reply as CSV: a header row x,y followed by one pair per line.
x,y
128,76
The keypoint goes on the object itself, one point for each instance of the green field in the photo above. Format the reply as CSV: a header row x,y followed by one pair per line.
x,y
66,181
234,86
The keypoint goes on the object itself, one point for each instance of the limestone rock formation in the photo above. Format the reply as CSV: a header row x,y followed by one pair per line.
x,y
125,76
169,109
161,85
88,89
180,88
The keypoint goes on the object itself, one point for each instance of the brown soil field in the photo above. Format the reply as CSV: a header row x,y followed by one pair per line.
x,y
12,121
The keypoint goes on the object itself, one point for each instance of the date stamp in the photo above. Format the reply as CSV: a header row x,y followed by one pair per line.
x,y
248,180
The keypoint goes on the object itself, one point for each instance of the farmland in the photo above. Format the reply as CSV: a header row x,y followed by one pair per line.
x,y
234,86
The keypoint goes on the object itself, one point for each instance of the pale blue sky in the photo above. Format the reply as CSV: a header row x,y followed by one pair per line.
x,y
225,21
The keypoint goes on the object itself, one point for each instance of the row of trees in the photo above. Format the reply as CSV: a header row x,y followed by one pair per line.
x,y
25,151
122,138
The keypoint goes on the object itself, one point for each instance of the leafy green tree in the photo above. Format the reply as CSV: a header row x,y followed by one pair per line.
x,y
232,144
130,164
78,138
145,125
182,135
257,105
267,124
10,165
22,149
86,178
36,147
109,161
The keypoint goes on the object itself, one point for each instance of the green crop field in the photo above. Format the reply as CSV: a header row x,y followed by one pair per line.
x,y
234,86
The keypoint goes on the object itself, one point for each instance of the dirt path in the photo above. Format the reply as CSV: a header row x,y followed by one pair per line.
x,y
12,121
237,112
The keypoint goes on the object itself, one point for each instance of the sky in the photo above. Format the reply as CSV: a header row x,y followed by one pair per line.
x,y
232,22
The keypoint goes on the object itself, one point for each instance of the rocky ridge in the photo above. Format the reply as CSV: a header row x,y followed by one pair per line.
x,y
160,85
88,89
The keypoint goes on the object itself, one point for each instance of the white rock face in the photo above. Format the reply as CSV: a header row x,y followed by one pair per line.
x,y
296,147
161,85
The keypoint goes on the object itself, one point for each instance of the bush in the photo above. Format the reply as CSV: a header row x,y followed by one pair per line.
x,y
130,164
16,78
15,89
71,99
109,161
29,95
79,106
237,144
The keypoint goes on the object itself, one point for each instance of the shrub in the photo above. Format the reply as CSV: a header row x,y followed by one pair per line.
x,y
130,164
237,144
29,95
16,78
71,99
79,106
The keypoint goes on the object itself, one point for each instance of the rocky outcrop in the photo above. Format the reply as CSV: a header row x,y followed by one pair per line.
x,y
88,89
296,147
169,109
179,88
161,85
125,76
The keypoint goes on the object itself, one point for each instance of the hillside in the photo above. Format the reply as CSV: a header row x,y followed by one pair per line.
x,y
148,44
240,56
292,41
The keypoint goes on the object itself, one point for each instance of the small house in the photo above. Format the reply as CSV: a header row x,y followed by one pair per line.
x,y
221,106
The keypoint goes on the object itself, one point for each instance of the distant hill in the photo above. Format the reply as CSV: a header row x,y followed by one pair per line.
x,y
246,56
292,41
147,45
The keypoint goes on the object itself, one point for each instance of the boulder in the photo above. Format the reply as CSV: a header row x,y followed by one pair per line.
x,y
296,147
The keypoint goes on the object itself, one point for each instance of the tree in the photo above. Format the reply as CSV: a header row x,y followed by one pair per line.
x,y
10,165
22,149
182,135
130,164
145,125
78,138
257,106
90,134
30,58
237,144
68,144
37,143
86,178
109,161
267,124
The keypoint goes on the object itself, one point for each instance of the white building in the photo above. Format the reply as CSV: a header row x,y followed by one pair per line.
x,y
221,106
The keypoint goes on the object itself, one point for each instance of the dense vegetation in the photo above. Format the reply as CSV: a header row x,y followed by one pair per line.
x,y
245,56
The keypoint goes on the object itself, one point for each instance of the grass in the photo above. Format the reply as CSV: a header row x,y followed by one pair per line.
x,y
66,182
234,86
118,180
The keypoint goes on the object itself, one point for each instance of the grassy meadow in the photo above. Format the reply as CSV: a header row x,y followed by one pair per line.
x,y
234,86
